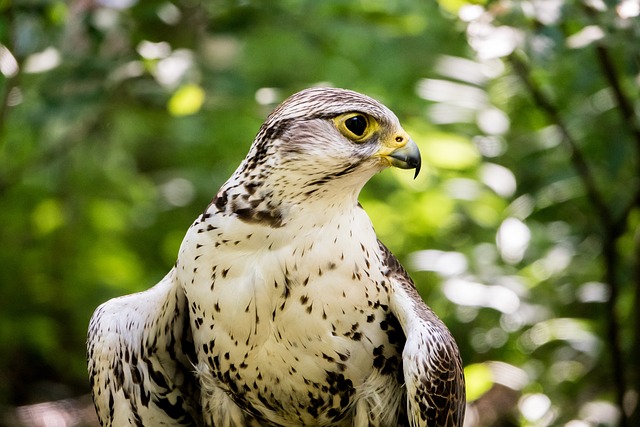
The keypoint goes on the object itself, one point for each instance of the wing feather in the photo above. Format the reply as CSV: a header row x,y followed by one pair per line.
x,y
432,366
140,355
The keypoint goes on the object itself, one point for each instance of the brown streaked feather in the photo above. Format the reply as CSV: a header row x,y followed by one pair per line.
x,y
439,396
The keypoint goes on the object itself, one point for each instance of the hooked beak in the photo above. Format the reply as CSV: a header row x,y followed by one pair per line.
x,y
406,156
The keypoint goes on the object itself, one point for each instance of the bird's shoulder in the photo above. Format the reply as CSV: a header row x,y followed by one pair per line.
x,y
140,355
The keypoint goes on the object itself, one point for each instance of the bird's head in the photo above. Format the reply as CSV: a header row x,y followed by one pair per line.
x,y
320,144
328,136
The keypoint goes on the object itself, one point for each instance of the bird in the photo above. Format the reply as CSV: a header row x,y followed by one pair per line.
x,y
283,307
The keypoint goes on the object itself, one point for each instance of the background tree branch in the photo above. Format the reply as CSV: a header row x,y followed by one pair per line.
x,y
610,231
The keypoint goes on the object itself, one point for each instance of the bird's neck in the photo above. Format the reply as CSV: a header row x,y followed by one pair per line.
x,y
279,199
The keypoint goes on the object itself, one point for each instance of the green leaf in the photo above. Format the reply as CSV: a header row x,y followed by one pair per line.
x,y
48,216
187,100
479,380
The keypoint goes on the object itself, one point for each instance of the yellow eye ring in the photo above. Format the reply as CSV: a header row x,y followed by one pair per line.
x,y
356,126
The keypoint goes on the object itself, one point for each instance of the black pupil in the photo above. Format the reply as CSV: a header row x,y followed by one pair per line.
x,y
356,124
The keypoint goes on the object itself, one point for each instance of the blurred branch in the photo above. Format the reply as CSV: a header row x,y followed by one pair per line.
x,y
611,230
629,117
629,120
577,158
607,65
625,106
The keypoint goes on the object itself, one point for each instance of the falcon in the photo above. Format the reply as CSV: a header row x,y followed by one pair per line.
x,y
283,308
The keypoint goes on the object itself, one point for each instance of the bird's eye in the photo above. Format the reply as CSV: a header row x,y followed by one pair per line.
x,y
356,124
358,127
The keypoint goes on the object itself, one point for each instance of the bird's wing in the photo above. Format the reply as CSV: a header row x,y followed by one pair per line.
x,y
433,373
138,352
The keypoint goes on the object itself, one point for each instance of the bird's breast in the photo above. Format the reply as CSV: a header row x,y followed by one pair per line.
x,y
294,332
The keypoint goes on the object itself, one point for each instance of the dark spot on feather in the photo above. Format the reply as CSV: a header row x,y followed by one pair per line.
x,y
221,200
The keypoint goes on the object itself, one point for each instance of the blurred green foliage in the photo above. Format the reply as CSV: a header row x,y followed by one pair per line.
x,y
121,118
